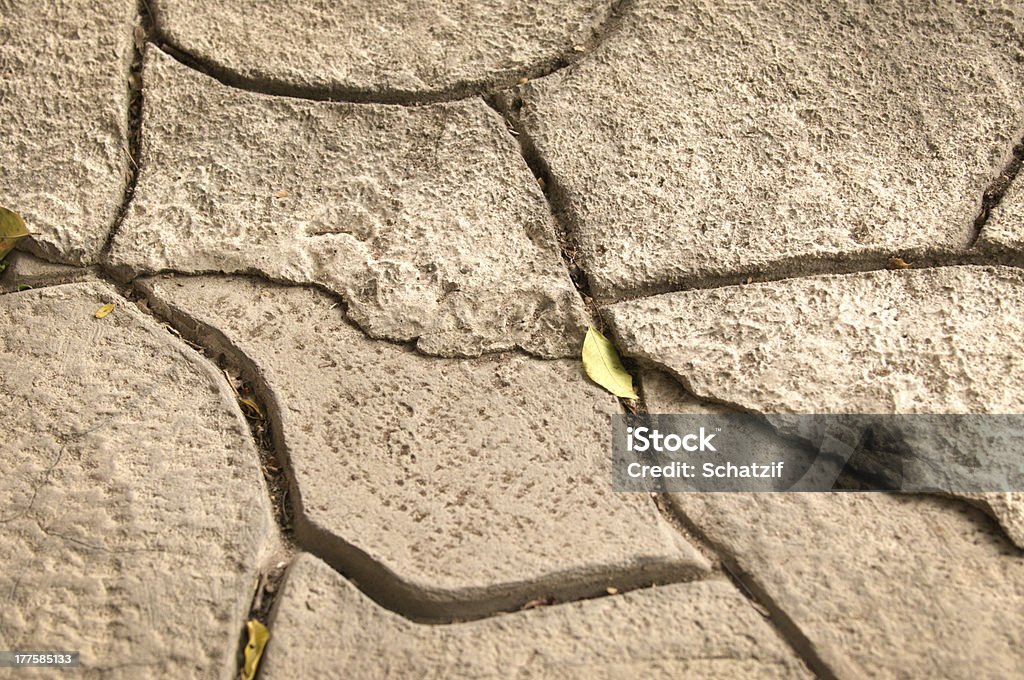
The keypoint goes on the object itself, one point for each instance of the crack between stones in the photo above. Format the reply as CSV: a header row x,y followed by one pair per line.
x,y
993,195
272,568
352,95
141,30
127,278
776,617
839,266
784,627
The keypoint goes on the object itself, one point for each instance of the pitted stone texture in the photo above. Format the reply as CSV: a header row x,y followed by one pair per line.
x,y
444,487
64,120
134,512
386,50
1004,230
945,340
705,141
881,585
325,628
24,269
426,219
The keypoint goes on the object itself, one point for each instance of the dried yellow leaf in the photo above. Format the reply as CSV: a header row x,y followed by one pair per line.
x,y
258,636
250,408
898,263
12,229
105,309
602,364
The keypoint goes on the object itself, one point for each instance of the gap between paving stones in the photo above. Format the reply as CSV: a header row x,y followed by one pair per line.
x,y
141,30
761,600
371,577
993,195
465,90
777,618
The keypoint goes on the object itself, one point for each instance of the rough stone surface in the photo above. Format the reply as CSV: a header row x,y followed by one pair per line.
x,y
326,628
880,585
24,269
390,50
64,119
1004,230
708,141
134,514
443,486
426,219
945,340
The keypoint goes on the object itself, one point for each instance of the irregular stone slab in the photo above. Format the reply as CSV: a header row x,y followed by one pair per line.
x,y
382,51
64,120
446,488
426,219
134,515
944,340
698,630
880,585
24,269
705,142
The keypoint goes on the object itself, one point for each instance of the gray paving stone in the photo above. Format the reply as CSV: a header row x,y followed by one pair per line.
x,y
881,585
944,340
383,50
134,515
445,487
426,219
704,141
1004,230
64,119
326,628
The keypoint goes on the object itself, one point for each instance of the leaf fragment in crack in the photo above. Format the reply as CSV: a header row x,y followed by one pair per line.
x,y
250,408
12,229
258,636
602,364
105,309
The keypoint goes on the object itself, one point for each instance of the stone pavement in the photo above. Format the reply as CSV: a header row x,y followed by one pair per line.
x,y
353,254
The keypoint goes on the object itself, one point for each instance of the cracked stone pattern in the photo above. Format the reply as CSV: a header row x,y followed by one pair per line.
x,y
425,219
383,49
470,484
64,119
1004,230
882,585
699,630
945,340
708,141
134,513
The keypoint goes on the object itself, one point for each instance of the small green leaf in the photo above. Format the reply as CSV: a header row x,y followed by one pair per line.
x,y
12,228
602,364
258,636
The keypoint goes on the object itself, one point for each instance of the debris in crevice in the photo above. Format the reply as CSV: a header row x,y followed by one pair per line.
x,y
997,189
140,31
